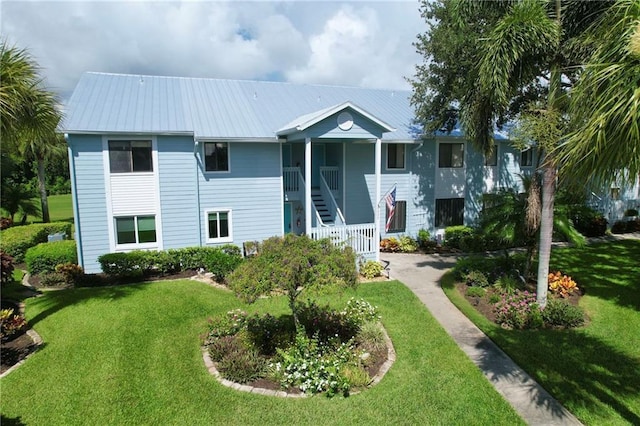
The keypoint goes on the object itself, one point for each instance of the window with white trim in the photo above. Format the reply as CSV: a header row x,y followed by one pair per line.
x,y
449,212
491,160
451,155
130,156
219,226
216,156
135,230
526,158
395,156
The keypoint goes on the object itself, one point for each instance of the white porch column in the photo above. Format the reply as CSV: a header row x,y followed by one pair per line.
x,y
378,161
307,185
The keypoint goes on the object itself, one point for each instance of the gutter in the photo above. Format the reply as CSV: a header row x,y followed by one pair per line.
x,y
74,199
196,145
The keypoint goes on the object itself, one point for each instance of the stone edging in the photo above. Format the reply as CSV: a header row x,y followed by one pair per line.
x,y
33,335
208,362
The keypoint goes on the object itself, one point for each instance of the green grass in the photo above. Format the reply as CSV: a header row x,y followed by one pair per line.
x,y
595,370
131,355
60,209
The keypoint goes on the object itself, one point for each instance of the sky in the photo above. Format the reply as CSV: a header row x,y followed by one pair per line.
x,y
352,43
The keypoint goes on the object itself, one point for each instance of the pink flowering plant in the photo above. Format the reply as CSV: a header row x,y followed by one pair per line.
x,y
518,311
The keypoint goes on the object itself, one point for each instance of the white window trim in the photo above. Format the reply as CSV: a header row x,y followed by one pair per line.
x,y
464,153
111,223
404,160
204,160
135,246
228,239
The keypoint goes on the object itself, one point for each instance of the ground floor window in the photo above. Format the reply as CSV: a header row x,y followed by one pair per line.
x,y
449,212
399,219
136,229
219,226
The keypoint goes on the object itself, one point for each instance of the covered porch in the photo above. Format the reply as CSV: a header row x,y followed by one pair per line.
x,y
315,180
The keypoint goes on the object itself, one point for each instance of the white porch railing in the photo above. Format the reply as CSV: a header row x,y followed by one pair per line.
x,y
332,176
290,177
332,205
361,237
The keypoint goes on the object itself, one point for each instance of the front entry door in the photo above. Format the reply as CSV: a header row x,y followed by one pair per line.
x,y
317,161
287,218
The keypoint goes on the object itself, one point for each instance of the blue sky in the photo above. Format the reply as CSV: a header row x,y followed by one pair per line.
x,y
355,43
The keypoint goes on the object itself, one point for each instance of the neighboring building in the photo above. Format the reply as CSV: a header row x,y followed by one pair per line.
x,y
165,162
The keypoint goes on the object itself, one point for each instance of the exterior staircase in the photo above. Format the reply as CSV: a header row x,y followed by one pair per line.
x,y
321,206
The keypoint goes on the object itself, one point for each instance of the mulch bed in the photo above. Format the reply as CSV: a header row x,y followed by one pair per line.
x,y
15,350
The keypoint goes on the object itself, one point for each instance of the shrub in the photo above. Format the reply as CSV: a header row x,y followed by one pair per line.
x,y
506,284
10,323
221,263
242,365
52,279
390,245
472,243
407,244
559,313
325,323
476,292
16,240
122,264
587,221
494,298
46,256
70,271
370,337
619,227
631,212
453,235
424,239
491,267
371,269
359,311
633,225
476,279
267,332
6,268
518,311
225,325
561,284
222,346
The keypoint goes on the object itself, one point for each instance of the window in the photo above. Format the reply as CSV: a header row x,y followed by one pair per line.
x,y
399,220
395,156
136,230
492,159
130,156
526,158
219,226
216,156
451,155
449,212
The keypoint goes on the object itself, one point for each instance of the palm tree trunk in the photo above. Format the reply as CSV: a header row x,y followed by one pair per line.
x,y
43,191
546,232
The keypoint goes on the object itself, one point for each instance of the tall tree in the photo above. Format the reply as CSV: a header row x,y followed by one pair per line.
x,y
29,114
605,104
523,53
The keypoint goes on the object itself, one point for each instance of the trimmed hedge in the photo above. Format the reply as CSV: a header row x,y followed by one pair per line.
x,y
454,234
46,256
220,261
16,240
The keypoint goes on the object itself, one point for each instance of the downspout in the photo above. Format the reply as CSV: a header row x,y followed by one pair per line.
x,y
196,145
74,199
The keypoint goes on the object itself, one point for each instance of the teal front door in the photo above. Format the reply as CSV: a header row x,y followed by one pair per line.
x,y
317,161
287,218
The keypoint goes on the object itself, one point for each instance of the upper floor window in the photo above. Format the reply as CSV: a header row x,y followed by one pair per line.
x,y
130,156
526,158
395,156
491,159
451,155
216,156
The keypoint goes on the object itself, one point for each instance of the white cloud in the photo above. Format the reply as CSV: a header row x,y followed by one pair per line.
x,y
367,44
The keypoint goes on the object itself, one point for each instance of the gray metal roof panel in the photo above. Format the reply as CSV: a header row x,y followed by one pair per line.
x,y
217,108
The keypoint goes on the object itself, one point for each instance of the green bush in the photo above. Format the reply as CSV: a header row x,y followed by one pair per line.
x,y
46,256
454,234
53,279
6,268
476,292
407,244
587,221
507,284
424,239
371,269
619,227
326,324
476,279
359,311
267,332
371,338
221,263
631,212
559,313
491,267
16,240
242,365
122,264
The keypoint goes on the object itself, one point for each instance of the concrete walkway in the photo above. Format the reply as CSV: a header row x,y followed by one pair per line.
x,y
422,273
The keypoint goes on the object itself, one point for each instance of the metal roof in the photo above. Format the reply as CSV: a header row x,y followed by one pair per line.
x,y
215,108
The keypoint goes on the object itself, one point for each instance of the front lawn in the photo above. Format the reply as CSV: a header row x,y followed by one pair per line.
x,y
131,355
60,209
594,371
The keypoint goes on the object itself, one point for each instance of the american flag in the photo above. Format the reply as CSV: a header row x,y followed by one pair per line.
x,y
390,199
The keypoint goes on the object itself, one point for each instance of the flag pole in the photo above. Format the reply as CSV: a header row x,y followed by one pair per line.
x,y
387,193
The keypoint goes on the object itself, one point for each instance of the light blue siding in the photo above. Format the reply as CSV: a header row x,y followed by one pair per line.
x,y
90,191
177,172
252,190
360,183
363,128
421,209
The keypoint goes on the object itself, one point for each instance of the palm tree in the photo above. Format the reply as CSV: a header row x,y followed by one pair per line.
x,y
16,198
605,105
28,113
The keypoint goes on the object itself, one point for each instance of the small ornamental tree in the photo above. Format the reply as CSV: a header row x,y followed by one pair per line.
x,y
291,265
